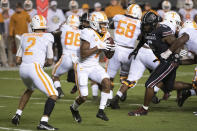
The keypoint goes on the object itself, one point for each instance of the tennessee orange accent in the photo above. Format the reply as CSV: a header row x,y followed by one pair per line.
x,y
33,34
70,37
97,55
41,20
47,80
57,65
173,15
42,79
195,25
93,17
101,38
131,9
128,31
104,15
33,40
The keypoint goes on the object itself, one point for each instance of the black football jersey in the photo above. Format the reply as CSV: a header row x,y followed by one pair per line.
x,y
154,39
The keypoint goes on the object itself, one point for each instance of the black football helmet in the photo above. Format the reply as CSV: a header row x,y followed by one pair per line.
x,y
84,21
149,22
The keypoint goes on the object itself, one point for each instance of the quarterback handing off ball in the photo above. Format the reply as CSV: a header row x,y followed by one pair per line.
x,y
110,52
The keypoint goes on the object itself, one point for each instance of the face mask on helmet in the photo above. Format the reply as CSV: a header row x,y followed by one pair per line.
x,y
103,27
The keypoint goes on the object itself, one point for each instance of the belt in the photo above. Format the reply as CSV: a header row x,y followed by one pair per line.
x,y
126,46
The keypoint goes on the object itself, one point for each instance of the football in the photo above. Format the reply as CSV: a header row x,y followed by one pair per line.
x,y
109,53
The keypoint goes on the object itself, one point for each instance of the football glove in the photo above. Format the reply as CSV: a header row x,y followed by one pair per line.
x,y
166,54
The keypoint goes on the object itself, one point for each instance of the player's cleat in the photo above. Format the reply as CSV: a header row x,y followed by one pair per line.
x,y
74,90
75,114
124,97
184,95
101,114
139,112
155,99
60,92
16,119
45,126
114,103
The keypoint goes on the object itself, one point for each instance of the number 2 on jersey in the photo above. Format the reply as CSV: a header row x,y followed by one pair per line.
x,y
70,37
33,42
128,31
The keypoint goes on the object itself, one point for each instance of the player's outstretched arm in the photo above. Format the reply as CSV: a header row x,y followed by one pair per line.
x,y
85,49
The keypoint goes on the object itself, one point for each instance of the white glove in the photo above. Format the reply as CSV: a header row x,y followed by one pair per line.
x,y
183,52
103,45
111,47
166,54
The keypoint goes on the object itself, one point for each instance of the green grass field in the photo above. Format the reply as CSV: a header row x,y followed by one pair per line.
x,y
163,116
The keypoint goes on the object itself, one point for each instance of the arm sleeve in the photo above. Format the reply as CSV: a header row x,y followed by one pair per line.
x,y
50,47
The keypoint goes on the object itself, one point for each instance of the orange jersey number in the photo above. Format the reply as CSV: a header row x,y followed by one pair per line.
x,y
72,38
128,31
33,42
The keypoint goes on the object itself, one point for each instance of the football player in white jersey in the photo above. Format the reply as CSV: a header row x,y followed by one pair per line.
x,y
127,29
93,41
188,12
187,36
35,48
166,6
70,40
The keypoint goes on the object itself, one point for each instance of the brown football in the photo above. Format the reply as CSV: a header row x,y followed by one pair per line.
x,y
109,53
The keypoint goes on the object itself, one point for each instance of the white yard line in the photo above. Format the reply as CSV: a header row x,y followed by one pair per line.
x,y
13,129
2,106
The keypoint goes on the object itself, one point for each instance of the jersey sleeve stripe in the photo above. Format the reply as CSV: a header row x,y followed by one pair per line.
x,y
42,79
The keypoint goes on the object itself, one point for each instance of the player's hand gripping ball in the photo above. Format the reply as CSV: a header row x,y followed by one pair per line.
x,y
110,52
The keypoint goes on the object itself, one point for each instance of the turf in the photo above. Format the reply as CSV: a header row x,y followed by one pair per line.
x,y
163,116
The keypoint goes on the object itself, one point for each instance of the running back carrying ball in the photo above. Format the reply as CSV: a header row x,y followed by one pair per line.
x,y
109,53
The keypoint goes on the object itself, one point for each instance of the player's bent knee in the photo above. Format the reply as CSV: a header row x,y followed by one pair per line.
x,y
106,84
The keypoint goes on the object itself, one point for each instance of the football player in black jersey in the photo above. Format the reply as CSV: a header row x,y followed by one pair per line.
x,y
159,37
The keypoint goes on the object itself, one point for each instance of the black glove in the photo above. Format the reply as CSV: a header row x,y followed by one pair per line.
x,y
134,53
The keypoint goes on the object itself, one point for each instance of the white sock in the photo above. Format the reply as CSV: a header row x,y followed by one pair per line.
x,y
45,119
156,89
75,105
193,92
119,93
111,94
145,107
104,98
57,84
19,112
94,89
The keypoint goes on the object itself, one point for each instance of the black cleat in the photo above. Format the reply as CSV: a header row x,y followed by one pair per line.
x,y
16,119
124,97
184,95
74,90
60,92
114,103
45,126
155,99
139,112
76,115
101,114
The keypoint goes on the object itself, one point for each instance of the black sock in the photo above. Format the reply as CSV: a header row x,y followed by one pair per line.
x,y
49,105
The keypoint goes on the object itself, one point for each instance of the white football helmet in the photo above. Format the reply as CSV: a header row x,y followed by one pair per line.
x,y
38,22
5,4
28,5
99,22
73,20
172,19
135,11
166,5
188,4
73,4
189,24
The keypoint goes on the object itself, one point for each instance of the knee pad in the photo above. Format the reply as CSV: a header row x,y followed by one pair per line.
x,y
130,84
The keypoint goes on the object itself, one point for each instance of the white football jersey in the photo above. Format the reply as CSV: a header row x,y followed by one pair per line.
x,y
35,47
192,42
126,30
79,13
94,39
70,39
188,15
